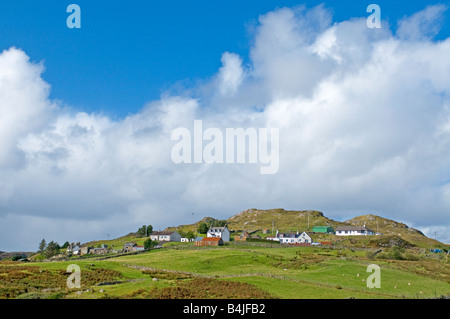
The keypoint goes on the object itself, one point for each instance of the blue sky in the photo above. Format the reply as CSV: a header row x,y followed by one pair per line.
x,y
128,53
86,115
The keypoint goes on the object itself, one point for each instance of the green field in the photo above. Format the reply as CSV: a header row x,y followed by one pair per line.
x,y
232,271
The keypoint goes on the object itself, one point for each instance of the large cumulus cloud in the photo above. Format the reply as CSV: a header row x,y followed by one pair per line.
x,y
364,128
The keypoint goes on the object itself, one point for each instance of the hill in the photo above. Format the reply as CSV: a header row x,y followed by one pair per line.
x,y
190,227
253,220
7,255
249,270
394,229
256,220
280,219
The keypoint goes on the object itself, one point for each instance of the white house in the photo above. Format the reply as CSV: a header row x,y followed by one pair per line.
x,y
165,236
304,238
221,232
354,231
294,238
287,238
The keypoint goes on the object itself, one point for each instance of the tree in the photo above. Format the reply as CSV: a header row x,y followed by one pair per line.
x,y
217,223
396,252
42,246
220,223
149,230
52,249
142,231
190,235
145,231
148,243
66,244
203,228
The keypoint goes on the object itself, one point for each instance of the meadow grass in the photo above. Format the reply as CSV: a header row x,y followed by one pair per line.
x,y
282,272
305,264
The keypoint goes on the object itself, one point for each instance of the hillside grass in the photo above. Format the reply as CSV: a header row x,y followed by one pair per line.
x,y
241,270
307,265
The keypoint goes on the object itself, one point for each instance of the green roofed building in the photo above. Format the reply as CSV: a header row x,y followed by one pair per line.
x,y
323,229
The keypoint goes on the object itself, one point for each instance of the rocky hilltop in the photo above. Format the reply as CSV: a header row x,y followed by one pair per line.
x,y
255,220
279,218
391,227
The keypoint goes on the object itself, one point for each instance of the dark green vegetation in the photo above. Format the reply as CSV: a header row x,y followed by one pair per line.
x,y
144,231
148,243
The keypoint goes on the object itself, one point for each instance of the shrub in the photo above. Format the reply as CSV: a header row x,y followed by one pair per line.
x,y
16,258
411,257
370,254
39,257
202,228
148,243
393,253
397,253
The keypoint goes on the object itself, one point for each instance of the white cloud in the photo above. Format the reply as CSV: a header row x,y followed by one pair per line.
x,y
231,73
423,24
24,104
364,128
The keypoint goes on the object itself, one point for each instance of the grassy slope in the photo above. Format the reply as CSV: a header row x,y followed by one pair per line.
x,y
321,271
295,272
